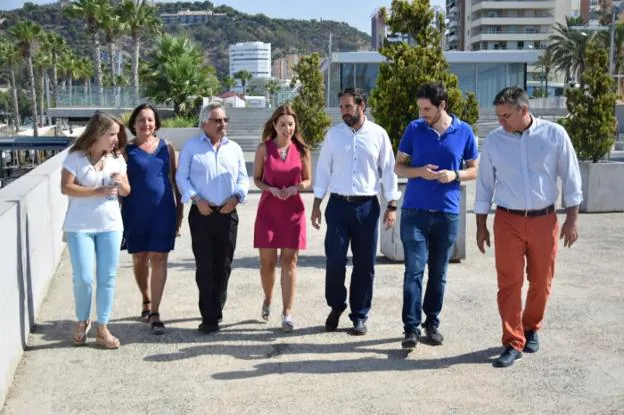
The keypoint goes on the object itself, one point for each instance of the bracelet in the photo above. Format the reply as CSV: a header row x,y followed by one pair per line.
x,y
391,208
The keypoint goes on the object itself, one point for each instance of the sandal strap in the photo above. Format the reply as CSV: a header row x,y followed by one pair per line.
x,y
146,302
156,314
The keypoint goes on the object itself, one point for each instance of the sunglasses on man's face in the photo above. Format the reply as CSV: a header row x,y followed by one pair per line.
x,y
224,120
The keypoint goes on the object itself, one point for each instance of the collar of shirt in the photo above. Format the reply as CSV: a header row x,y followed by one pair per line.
x,y
205,138
530,130
455,123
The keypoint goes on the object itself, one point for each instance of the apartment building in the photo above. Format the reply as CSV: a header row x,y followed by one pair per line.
x,y
282,68
380,32
505,24
254,57
188,17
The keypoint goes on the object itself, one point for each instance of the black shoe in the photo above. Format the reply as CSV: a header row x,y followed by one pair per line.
x,y
433,335
359,328
508,357
410,341
208,328
532,342
331,324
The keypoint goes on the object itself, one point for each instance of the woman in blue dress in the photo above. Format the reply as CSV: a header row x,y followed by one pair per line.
x,y
152,213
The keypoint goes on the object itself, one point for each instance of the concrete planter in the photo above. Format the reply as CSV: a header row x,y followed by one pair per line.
x,y
390,239
603,187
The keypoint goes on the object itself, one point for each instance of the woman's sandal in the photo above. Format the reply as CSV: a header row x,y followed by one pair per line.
x,y
145,314
79,335
108,341
158,327
266,311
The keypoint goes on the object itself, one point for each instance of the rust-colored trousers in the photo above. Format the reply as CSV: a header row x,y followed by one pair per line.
x,y
520,241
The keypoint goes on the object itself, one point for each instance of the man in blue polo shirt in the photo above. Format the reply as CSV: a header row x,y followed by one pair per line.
x,y
431,154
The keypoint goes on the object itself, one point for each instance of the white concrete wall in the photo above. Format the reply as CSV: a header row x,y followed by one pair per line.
x,y
32,210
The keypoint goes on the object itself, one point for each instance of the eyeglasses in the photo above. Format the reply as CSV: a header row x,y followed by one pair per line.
x,y
224,120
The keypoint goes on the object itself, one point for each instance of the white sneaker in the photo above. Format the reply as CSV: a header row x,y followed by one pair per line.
x,y
288,324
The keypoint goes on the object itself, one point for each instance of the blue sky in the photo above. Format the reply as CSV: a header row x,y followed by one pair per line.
x,y
355,12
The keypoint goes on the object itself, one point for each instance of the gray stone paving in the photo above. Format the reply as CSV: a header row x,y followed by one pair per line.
x,y
251,367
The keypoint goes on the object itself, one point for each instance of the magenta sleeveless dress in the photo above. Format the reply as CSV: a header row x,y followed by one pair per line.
x,y
281,223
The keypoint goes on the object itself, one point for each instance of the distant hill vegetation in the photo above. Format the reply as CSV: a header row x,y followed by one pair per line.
x,y
285,35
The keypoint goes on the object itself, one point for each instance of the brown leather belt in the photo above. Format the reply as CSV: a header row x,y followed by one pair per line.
x,y
353,199
528,213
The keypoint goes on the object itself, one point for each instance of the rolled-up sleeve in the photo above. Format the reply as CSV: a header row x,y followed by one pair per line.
x,y
386,166
183,174
486,180
322,172
569,172
242,180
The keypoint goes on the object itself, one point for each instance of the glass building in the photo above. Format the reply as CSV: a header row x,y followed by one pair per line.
x,y
481,72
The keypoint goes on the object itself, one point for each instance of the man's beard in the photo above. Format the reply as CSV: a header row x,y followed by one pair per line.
x,y
434,119
351,120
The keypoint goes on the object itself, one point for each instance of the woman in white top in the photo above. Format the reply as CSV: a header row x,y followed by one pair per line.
x,y
93,176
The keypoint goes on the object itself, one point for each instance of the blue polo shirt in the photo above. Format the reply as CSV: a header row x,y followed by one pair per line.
x,y
447,151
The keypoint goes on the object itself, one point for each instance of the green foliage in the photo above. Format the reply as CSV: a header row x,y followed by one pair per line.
x,y
178,75
409,66
591,122
180,122
309,104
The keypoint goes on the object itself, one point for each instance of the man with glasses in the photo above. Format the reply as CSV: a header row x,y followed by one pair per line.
x,y
212,174
520,165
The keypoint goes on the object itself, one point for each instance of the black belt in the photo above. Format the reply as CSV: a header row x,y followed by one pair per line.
x,y
529,213
353,199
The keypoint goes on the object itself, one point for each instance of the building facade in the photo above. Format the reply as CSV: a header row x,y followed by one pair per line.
x,y
282,68
254,57
484,73
187,17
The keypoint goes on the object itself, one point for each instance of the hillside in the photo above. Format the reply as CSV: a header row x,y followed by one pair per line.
x,y
285,35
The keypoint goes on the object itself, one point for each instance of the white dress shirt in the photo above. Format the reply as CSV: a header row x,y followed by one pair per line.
x,y
520,170
352,162
215,174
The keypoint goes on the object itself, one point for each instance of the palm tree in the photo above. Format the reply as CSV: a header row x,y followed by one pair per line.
x,y
42,62
244,76
9,59
272,87
92,12
229,82
113,27
177,73
568,51
546,62
26,34
84,71
141,19
57,46
69,69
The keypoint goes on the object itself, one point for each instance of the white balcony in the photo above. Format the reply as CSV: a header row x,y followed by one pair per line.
x,y
513,21
452,38
452,24
508,5
509,37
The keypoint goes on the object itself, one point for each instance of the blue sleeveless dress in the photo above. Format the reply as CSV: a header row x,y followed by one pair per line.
x,y
148,212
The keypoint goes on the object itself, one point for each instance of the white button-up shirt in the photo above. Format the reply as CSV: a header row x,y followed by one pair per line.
x,y
520,170
352,162
215,174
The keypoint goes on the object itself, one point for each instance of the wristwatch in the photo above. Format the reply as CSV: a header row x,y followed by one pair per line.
x,y
391,208
238,197
195,199
457,177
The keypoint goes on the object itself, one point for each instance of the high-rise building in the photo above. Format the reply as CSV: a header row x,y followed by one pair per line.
x,y
282,68
380,32
254,57
508,24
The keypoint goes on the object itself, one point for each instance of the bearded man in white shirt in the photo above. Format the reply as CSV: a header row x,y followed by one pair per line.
x,y
519,168
355,155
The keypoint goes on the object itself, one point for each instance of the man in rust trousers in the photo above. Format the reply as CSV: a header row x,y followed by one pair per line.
x,y
519,167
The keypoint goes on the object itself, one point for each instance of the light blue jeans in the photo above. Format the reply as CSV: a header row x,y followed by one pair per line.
x,y
103,247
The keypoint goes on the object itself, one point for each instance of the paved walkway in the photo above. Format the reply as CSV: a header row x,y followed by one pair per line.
x,y
251,367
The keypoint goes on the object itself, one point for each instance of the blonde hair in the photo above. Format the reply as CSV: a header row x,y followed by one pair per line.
x,y
98,125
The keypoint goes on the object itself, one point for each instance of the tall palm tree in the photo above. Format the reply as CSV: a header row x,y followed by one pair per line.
x,y
568,50
92,12
545,60
272,87
27,33
113,27
41,63
177,72
57,46
84,71
9,59
141,19
229,82
69,68
244,76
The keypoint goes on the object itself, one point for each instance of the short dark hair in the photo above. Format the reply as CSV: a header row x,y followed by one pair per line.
x,y
358,95
434,92
135,114
512,95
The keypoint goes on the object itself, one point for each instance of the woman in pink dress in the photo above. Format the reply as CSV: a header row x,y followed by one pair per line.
x,y
282,170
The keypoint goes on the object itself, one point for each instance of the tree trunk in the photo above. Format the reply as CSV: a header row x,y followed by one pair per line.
x,y
16,114
111,53
55,79
70,88
547,94
136,45
97,63
42,97
33,95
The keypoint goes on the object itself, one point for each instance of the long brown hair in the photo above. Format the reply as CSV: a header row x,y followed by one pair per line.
x,y
270,133
98,125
